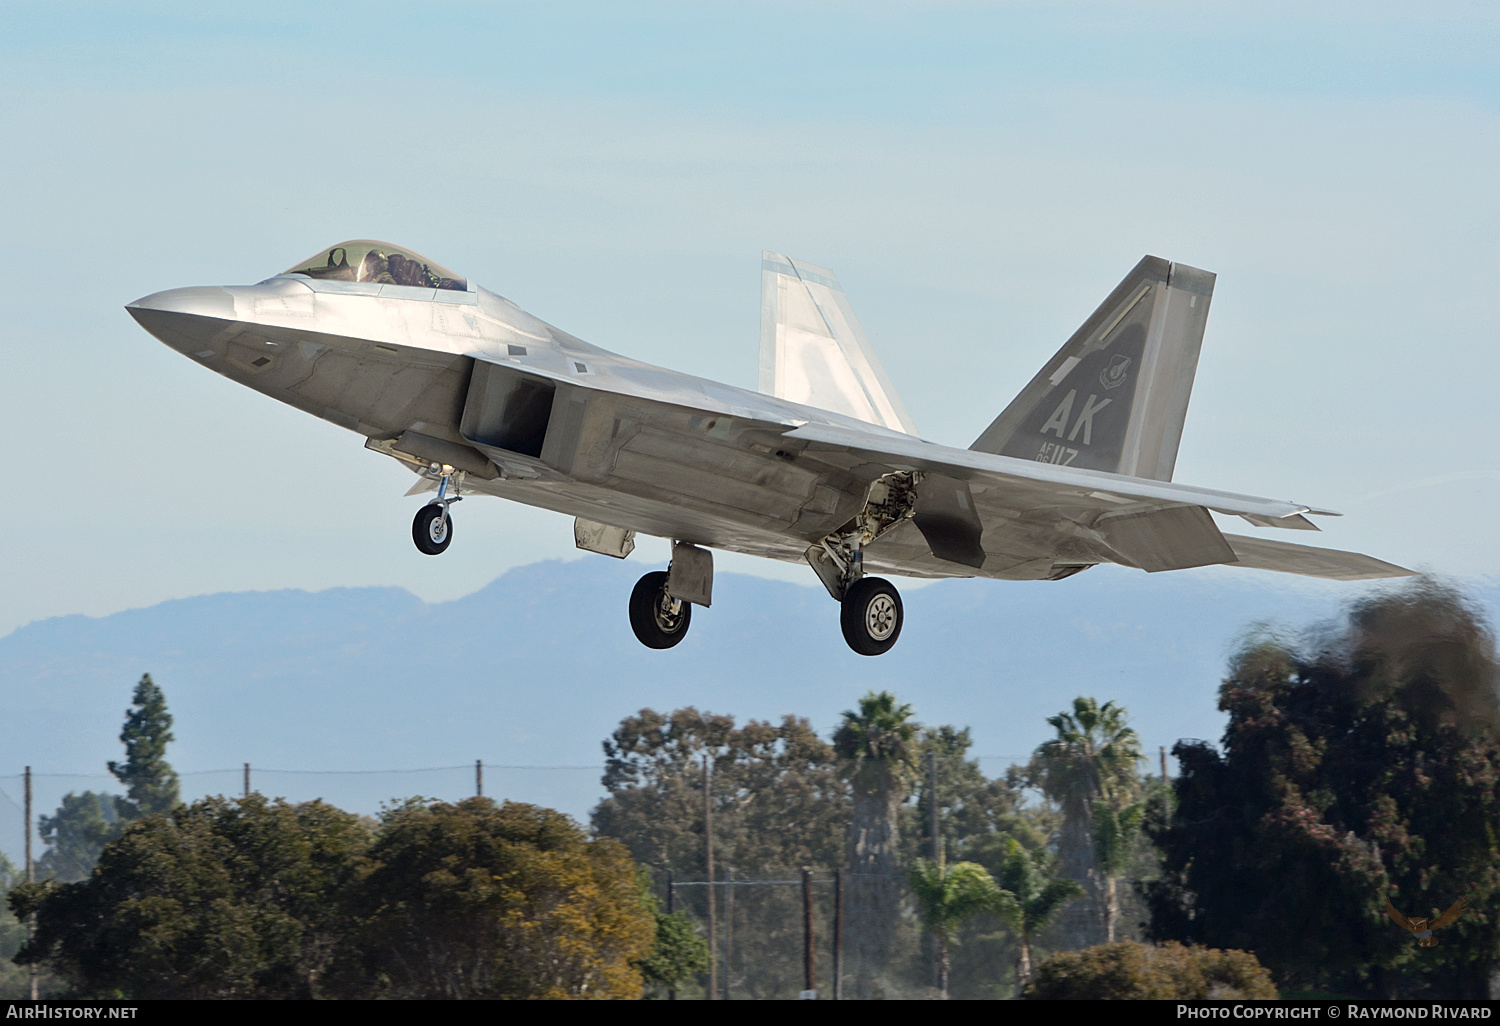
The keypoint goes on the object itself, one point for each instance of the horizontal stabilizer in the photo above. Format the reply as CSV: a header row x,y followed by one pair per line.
x,y
1330,564
813,350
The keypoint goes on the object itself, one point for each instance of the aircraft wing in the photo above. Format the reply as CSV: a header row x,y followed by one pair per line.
x,y
1038,484
970,503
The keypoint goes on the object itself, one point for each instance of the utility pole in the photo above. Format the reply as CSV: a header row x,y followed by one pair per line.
x,y
708,859
1163,765
809,972
247,780
30,878
671,907
479,778
838,935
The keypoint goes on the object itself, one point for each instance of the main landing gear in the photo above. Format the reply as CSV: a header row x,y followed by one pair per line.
x,y
661,606
658,619
432,528
870,610
871,616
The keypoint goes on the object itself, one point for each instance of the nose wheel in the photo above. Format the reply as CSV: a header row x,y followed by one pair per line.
x,y
432,529
659,620
871,616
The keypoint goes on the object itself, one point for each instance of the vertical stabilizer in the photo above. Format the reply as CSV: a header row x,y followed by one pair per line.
x,y
813,350
1114,398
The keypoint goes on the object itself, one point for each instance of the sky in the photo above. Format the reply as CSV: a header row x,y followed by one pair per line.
x,y
979,176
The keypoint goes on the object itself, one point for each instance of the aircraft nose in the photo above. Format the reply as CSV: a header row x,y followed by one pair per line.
x,y
201,301
184,319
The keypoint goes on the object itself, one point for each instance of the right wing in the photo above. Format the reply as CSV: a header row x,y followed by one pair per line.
x,y
1401,920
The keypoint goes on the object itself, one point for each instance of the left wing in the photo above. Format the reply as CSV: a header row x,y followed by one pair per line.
x,y
1449,917
1150,524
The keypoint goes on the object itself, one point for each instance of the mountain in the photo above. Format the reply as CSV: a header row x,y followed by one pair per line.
x,y
345,693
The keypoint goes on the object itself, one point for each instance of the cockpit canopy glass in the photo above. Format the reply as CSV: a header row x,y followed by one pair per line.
x,y
379,263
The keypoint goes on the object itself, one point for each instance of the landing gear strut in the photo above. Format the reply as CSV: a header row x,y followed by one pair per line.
x,y
659,620
869,607
432,529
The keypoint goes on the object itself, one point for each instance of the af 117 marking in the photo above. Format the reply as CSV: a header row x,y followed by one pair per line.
x,y
823,464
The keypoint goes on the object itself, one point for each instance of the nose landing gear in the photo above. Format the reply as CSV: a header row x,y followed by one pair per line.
x,y
432,528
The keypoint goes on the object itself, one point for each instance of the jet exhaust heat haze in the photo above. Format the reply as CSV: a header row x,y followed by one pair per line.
x,y
823,464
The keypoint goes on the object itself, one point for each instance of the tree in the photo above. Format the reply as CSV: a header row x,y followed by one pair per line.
x,y
877,749
1034,896
75,836
1362,765
478,900
151,786
779,803
1115,831
221,898
1092,758
1128,971
677,953
947,896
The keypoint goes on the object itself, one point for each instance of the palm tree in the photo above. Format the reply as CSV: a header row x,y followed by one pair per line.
x,y
946,897
1092,758
877,748
1031,896
1115,830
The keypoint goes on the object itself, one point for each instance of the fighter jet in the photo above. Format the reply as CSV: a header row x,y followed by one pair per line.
x,y
821,465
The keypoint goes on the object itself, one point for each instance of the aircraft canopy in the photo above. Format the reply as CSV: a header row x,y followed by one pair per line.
x,y
379,263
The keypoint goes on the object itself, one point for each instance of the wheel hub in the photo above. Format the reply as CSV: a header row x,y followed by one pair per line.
x,y
880,617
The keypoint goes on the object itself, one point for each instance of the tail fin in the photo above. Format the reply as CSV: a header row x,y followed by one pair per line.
x,y
813,350
1115,396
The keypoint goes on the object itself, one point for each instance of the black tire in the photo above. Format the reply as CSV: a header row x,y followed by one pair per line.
x,y
871,616
432,530
649,617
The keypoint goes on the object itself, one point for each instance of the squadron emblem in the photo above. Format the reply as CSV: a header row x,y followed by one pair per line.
x,y
1113,376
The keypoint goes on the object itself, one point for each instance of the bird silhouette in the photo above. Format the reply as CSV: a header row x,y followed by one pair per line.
x,y
1422,928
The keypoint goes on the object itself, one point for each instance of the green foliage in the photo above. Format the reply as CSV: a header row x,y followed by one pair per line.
x,y
1094,754
1361,766
1115,830
1036,894
947,896
975,813
75,836
1129,971
218,899
878,742
475,900
778,801
151,785
677,954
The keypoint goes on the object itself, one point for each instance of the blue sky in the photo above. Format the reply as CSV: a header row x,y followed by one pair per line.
x,y
980,175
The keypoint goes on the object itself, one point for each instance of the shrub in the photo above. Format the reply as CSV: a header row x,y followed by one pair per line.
x,y
1131,971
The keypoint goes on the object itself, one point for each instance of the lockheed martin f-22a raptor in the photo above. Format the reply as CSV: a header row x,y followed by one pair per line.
x,y
823,464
